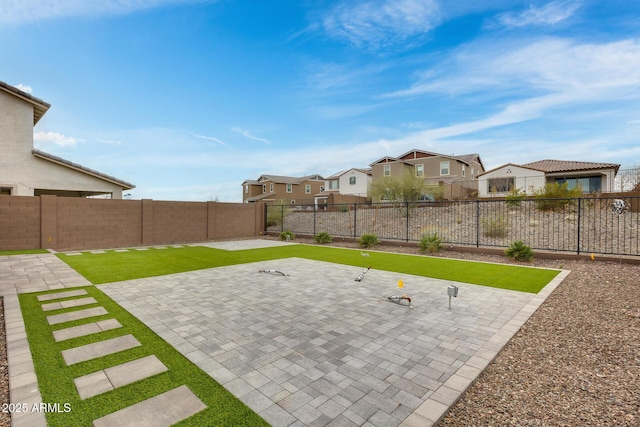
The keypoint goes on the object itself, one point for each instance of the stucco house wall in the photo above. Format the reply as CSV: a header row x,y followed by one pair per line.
x,y
524,179
28,172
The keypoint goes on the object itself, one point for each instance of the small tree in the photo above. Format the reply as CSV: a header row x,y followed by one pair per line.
x,y
408,188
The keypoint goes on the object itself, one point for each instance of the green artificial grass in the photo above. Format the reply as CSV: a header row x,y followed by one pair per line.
x,y
24,252
112,266
55,378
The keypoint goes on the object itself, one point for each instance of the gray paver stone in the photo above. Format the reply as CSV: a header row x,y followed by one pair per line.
x,y
99,349
162,410
76,315
83,330
59,295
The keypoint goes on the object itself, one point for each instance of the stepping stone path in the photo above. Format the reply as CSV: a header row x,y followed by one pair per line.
x,y
162,410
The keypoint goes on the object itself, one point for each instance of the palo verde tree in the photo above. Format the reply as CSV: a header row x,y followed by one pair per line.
x,y
403,191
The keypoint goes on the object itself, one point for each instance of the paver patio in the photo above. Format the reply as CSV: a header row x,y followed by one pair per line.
x,y
314,346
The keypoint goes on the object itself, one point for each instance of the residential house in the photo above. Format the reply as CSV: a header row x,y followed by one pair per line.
x,y
347,186
455,175
531,177
284,189
25,171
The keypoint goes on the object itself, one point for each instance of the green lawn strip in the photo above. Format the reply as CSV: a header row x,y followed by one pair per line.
x,y
55,378
24,252
114,266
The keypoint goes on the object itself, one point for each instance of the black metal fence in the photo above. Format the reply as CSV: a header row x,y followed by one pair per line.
x,y
583,225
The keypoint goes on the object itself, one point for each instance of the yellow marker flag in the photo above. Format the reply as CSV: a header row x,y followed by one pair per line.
x,y
593,257
400,284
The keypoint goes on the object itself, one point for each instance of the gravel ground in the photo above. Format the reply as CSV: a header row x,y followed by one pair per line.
x,y
5,417
576,362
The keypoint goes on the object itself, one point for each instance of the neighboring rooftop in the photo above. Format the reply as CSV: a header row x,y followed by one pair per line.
x,y
551,166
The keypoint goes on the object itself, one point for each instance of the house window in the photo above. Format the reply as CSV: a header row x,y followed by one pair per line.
x,y
472,174
307,188
289,188
264,188
271,187
420,171
246,189
586,184
501,185
5,190
387,170
464,170
334,184
352,180
444,168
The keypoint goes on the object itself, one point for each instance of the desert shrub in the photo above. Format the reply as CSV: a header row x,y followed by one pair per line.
x,y
519,251
494,227
368,240
430,243
514,198
322,238
555,197
287,235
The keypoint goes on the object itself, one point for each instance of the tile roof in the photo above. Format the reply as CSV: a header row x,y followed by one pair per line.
x,y
550,166
39,106
59,160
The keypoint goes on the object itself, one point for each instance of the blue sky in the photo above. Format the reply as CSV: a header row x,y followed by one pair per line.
x,y
188,98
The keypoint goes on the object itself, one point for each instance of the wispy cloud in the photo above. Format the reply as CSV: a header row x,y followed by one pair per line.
x,y
547,66
549,14
381,23
56,138
248,134
21,11
210,138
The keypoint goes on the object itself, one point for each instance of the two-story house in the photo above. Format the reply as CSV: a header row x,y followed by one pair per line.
x,y
455,175
283,189
25,171
347,186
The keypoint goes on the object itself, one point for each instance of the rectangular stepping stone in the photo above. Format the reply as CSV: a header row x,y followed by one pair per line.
x,y
76,315
83,330
117,376
162,410
99,349
58,295
68,304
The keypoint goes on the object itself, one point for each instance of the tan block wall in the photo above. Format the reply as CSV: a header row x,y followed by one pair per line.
x,y
67,223
19,222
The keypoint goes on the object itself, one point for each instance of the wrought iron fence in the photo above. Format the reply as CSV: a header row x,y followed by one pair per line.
x,y
582,225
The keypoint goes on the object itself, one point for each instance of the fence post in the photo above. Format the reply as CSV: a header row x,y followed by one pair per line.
x,y
355,220
282,218
579,220
407,221
477,223
314,219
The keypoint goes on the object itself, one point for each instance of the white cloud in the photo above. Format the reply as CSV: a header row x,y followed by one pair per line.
x,y
381,23
20,11
24,88
248,134
56,138
549,14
